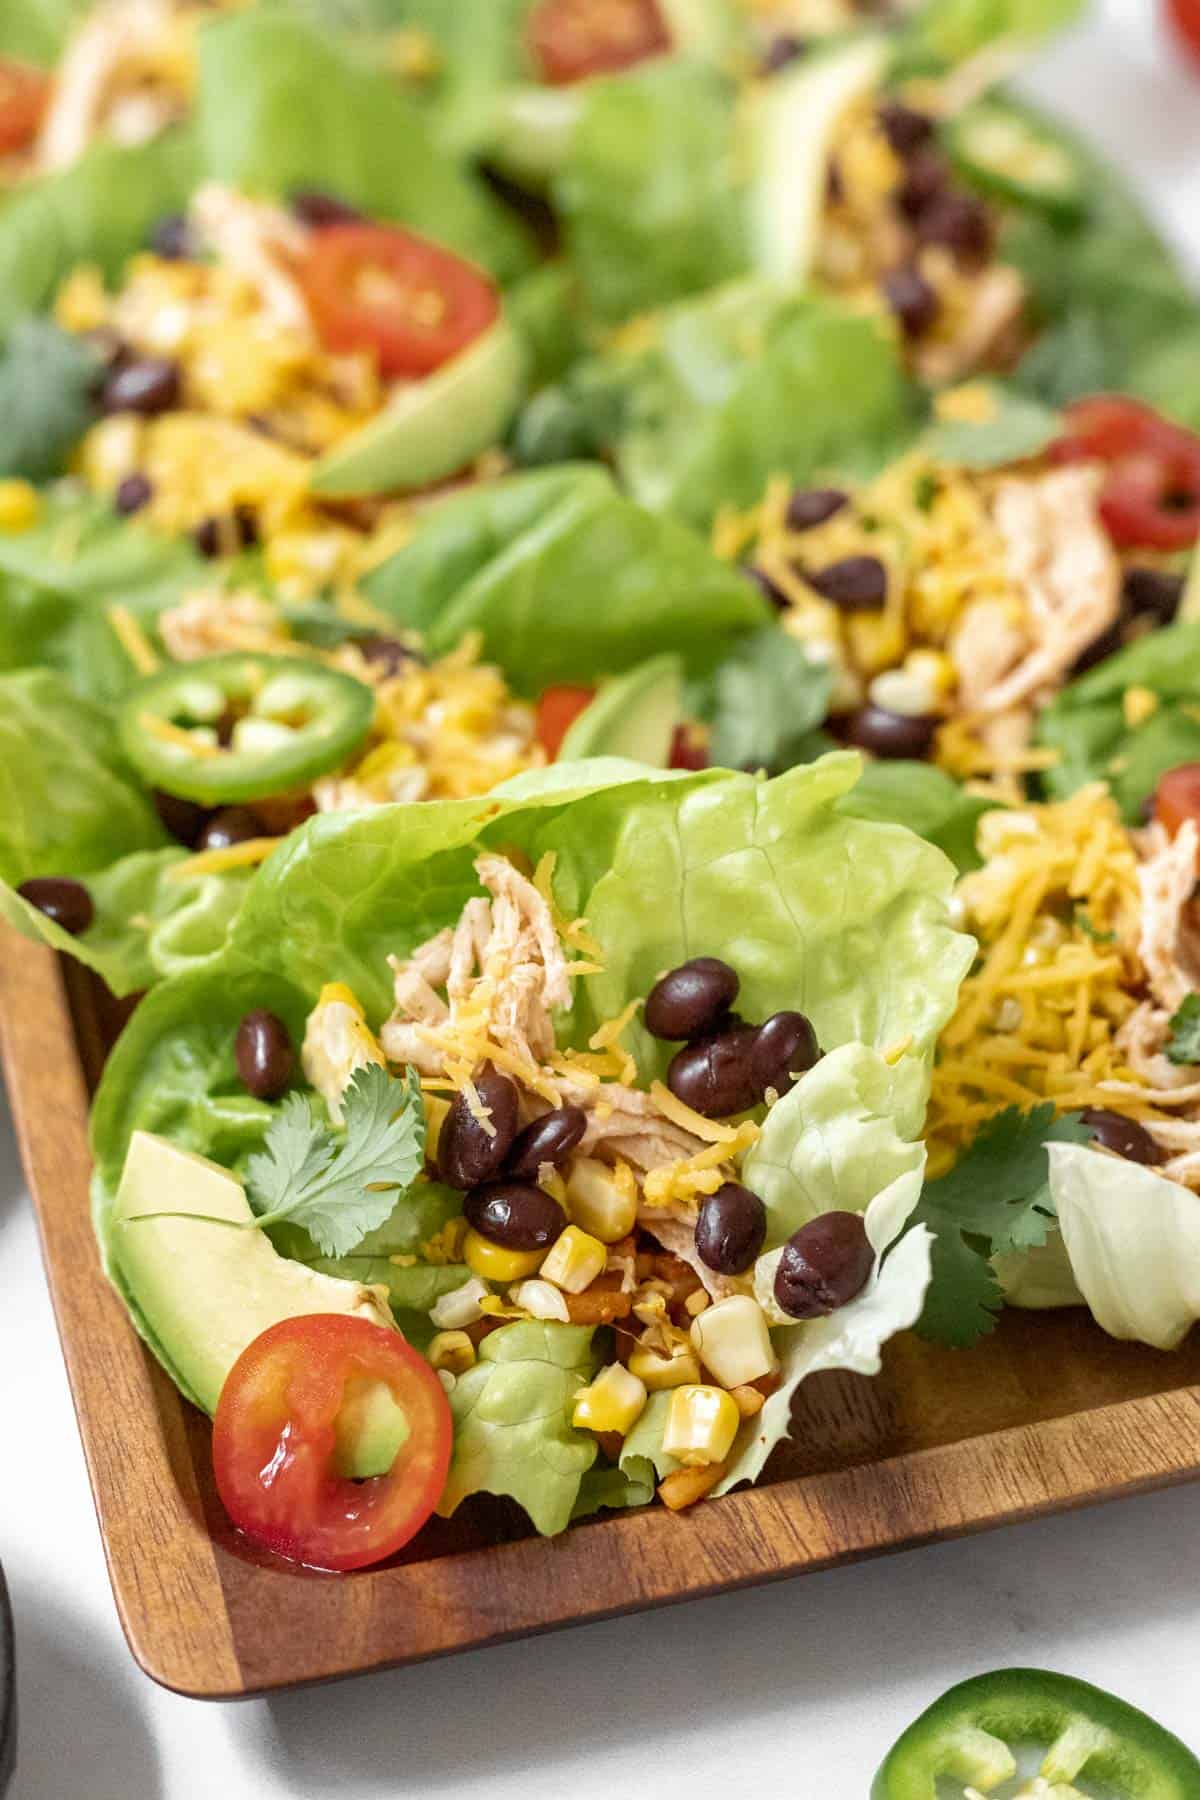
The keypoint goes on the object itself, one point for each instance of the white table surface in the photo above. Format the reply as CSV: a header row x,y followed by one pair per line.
x,y
793,1690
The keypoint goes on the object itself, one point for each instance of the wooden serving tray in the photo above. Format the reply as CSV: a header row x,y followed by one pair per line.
x,y
1046,1414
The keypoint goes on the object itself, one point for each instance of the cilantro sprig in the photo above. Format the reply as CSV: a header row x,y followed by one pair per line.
x,y
1183,1046
46,382
339,1185
994,1200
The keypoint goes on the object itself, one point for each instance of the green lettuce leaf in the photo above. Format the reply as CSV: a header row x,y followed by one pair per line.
x,y
1133,1239
512,1422
100,211
37,30
953,30
925,799
763,703
1017,429
1086,724
650,194
68,802
283,105
149,923
47,378
503,559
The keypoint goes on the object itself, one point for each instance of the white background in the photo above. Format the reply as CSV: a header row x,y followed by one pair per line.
x,y
794,1690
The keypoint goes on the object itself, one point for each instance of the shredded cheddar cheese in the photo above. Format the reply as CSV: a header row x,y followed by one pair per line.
x,y
217,862
133,639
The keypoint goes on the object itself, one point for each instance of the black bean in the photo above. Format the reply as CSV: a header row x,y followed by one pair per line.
x,y
912,299
959,222
1152,591
767,588
171,238
232,825
65,901
888,734
226,536
692,999
856,583
263,1053
148,386
1126,1137
468,1152
245,521
835,187
812,506
516,1214
1099,650
313,206
182,818
785,1046
549,1139
133,493
730,1229
823,1265
925,179
713,1075
905,129
782,50
388,654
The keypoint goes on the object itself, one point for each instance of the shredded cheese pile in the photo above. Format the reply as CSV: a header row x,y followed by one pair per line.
x,y
1056,910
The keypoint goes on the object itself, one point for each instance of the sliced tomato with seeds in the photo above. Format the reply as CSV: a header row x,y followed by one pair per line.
x,y
1150,498
1177,798
276,1441
377,288
1185,16
556,712
24,97
572,39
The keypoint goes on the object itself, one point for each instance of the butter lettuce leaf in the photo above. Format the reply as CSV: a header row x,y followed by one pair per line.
x,y
512,1422
1133,1240
925,799
952,30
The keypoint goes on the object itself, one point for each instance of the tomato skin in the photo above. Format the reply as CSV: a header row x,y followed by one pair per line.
x,y
1185,17
422,304
557,711
1150,498
572,39
24,97
1177,798
274,1438
688,751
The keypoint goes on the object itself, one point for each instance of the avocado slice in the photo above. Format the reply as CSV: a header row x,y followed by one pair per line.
x,y
532,128
707,28
634,716
798,113
207,1291
432,427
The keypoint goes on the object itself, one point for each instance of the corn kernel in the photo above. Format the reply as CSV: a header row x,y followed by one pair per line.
x,y
540,1299
451,1350
601,1200
574,1260
450,1312
659,1372
613,1402
702,1423
495,1263
19,505
733,1341
936,668
82,304
436,1110
904,691
683,1487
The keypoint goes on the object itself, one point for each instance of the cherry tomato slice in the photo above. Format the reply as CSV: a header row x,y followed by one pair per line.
x,y
372,287
1150,498
1177,797
1185,17
24,97
557,711
572,39
688,749
274,1439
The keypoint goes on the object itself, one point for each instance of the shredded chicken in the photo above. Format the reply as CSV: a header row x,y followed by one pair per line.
x,y
261,243
997,303
676,1232
1170,944
212,621
984,646
1061,559
101,86
399,785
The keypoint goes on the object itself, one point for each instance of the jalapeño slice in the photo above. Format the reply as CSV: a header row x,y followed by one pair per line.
x,y
967,1739
1006,154
243,726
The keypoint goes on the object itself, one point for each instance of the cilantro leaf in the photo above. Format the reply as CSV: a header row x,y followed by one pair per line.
x,y
339,1185
47,378
1184,1043
995,1199
764,703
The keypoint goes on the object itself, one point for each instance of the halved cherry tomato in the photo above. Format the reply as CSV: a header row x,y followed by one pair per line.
x,y
1185,16
688,749
24,97
274,1440
572,39
1177,797
557,711
374,287
1151,494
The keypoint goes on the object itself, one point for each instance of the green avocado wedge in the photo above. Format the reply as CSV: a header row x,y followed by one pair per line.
x,y
206,1289
432,427
634,715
